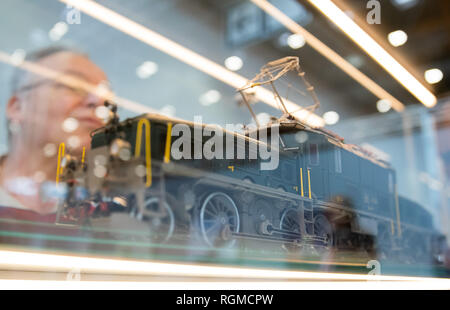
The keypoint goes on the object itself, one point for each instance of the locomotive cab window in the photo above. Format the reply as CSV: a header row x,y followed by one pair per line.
x,y
337,160
313,154
391,183
287,172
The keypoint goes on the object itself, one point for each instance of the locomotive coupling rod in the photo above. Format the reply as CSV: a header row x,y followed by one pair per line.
x,y
304,240
286,232
262,238
277,231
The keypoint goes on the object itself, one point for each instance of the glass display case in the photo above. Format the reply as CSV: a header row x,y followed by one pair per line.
x,y
278,136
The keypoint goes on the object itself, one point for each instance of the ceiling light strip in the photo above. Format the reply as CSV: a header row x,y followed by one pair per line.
x,y
185,55
76,83
374,50
35,261
328,53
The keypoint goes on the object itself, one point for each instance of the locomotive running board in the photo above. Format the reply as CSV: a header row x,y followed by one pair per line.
x,y
209,178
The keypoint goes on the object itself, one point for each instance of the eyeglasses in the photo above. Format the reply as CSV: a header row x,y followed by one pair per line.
x,y
77,91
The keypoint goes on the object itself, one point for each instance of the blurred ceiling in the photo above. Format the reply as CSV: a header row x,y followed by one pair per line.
x,y
427,24
204,26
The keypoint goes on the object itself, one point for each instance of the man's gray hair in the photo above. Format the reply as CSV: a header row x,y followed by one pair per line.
x,y
19,77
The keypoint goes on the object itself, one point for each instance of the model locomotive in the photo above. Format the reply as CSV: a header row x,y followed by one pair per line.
x,y
323,192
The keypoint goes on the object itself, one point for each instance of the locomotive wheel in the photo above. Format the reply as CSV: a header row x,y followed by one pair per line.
x,y
161,227
290,221
420,249
323,228
218,218
383,243
414,248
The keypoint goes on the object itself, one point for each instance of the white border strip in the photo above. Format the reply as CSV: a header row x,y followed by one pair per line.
x,y
222,286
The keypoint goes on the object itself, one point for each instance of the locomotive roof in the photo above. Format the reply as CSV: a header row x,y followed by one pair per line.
x,y
165,119
285,125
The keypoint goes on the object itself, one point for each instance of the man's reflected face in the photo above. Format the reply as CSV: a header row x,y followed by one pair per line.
x,y
52,112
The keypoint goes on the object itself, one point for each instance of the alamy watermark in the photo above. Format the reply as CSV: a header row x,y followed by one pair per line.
x,y
226,143
73,15
374,15
74,275
375,267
